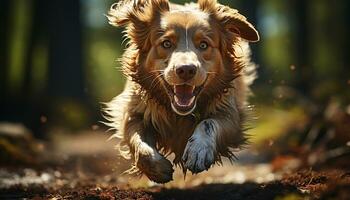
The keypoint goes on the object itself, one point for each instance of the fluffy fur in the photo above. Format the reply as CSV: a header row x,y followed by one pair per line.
x,y
150,123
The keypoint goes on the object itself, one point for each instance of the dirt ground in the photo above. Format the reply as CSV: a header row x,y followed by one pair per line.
x,y
85,166
329,184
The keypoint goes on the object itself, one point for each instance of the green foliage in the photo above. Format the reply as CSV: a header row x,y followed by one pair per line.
x,y
281,62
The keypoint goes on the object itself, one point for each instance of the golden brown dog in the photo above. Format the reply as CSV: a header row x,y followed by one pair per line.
x,y
188,74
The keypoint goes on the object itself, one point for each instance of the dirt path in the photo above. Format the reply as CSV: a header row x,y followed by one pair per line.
x,y
211,191
72,168
49,183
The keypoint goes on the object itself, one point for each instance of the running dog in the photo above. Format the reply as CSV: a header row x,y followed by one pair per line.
x,y
188,73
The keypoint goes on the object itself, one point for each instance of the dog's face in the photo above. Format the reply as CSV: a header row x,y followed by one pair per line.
x,y
186,49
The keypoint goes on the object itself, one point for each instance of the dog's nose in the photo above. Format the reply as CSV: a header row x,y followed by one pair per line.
x,y
186,72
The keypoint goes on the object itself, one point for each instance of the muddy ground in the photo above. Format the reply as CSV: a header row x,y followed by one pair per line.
x,y
85,166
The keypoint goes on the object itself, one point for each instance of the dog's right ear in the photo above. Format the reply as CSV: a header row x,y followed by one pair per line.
x,y
138,17
135,11
122,12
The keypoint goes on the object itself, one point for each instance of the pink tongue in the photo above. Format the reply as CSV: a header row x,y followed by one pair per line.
x,y
184,94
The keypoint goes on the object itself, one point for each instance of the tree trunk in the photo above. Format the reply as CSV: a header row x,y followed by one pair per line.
x,y
4,46
65,74
303,68
36,34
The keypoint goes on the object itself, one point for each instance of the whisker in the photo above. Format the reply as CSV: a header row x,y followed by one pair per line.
x,y
152,74
212,73
147,77
155,81
159,70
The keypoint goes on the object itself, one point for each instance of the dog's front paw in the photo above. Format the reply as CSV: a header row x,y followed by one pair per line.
x,y
200,151
155,166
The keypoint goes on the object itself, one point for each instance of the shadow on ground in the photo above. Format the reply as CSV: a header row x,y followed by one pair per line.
x,y
203,192
229,192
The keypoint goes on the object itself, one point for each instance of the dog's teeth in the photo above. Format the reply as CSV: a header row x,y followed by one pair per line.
x,y
176,99
192,100
193,87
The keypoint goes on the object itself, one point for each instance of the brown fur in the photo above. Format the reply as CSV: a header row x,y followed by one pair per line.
x,y
148,127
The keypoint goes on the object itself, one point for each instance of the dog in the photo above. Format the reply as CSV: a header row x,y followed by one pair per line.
x,y
188,73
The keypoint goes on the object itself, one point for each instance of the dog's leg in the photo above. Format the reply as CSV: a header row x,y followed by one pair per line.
x,y
211,138
147,159
200,151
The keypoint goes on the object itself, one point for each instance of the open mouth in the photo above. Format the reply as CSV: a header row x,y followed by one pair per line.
x,y
183,97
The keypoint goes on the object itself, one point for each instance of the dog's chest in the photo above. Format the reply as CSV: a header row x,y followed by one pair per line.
x,y
174,136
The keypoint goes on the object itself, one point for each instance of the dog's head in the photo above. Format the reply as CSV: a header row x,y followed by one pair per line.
x,y
188,50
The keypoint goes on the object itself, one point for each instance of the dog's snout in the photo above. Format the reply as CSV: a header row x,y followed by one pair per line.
x,y
186,72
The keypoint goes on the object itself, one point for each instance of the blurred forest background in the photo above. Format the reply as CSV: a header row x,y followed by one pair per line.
x,y
58,63
58,59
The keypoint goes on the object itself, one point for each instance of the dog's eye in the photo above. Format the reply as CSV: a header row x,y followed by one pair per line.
x,y
167,44
203,45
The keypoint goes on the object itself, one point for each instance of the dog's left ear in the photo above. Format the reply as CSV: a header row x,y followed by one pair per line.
x,y
230,19
138,17
237,24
